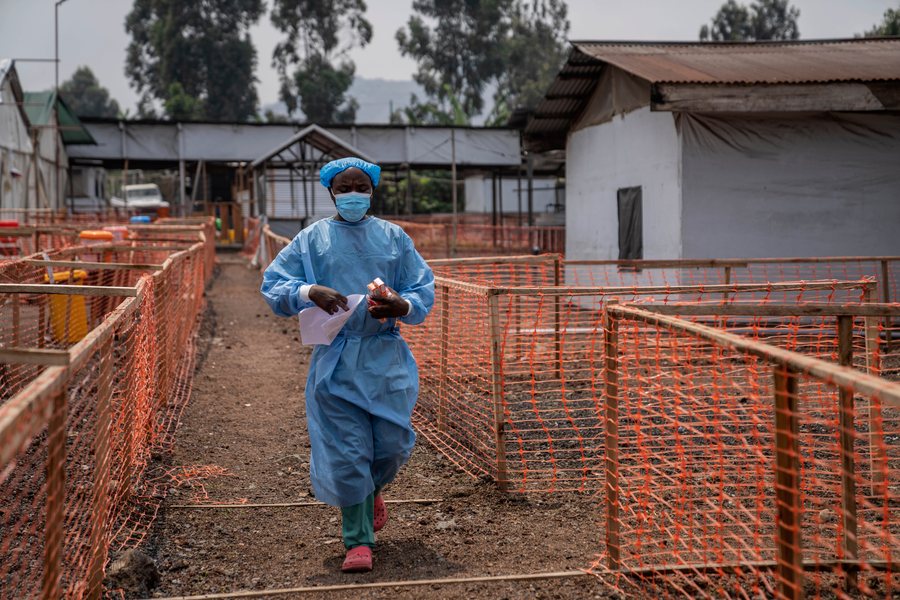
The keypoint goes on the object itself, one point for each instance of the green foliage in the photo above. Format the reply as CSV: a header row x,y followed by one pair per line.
x,y
762,20
194,58
889,27
464,46
431,113
312,61
432,192
86,97
532,54
458,45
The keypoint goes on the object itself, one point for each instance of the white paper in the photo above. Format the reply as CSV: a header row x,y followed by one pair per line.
x,y
317,327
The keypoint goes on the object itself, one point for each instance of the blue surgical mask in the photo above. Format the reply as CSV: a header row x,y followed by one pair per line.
x,y
352,206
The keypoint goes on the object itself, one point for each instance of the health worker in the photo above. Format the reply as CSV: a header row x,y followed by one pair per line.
x,y
362,388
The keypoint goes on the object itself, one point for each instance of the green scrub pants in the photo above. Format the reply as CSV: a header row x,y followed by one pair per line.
x,y
357,523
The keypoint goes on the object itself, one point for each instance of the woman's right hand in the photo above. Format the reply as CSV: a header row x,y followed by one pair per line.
x,y
327,299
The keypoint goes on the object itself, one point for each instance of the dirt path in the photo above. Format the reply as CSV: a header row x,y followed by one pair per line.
x,y
246,416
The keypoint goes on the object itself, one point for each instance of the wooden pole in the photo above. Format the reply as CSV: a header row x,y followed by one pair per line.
x,y
557,334
886,298
454,191
445,346
56,498
100,494
611,438
787,485
847,434
497,391
877,449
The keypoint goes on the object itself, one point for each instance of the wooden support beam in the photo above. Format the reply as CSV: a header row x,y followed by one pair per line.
x,y
66,290
497,392
443,388
107,266
787,485
847,433
611,437
54,526
775,310
34,356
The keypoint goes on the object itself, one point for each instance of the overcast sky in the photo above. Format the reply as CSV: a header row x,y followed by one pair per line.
x,y
92,33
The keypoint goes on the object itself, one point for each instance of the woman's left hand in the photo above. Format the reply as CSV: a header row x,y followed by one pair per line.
x,y
389,308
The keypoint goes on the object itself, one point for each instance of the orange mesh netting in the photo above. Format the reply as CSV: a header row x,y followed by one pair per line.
x,y
738,469
511,377
83,443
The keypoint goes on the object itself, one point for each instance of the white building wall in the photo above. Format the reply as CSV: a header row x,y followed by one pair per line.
x,y
799,186
478,194
640,148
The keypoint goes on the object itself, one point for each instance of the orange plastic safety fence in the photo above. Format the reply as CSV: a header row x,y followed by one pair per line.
x,y
82,443
736,469
511,377
436,240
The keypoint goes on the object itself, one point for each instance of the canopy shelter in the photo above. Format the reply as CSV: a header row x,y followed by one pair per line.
x,y
298,159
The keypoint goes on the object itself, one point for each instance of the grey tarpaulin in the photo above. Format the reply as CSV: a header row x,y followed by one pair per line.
x,y
790,185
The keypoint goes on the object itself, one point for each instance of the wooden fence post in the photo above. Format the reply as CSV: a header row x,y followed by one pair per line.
x,y
445,347
886,298
611,437
877,450
54,533
557,281
847,433
497,390
787,485
100,493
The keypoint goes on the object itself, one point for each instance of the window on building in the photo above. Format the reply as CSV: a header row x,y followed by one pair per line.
x,y
631,230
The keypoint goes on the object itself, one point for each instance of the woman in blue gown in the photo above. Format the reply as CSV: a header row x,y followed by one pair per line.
x,y
362,388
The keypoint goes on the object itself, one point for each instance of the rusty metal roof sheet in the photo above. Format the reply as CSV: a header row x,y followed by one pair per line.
x,y
823,61
734,63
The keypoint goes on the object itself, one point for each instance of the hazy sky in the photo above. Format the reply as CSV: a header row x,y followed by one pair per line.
x,y
92,33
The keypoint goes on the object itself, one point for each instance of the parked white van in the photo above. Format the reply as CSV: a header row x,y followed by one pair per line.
x,y
141,195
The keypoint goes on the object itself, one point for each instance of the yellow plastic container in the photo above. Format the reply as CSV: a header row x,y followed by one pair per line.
x,y
68,308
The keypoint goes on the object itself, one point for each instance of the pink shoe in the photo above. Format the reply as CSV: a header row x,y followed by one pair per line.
x,y
358,560
381,515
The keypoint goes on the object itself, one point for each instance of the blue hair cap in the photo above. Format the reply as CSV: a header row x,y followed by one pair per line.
x,y
330,170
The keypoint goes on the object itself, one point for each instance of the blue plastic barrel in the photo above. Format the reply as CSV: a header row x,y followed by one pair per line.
x,y
140,219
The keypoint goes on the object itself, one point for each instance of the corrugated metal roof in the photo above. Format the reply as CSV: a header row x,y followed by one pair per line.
x,y
39,108
823,61
733,63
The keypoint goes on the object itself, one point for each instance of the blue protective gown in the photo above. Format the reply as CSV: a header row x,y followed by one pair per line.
x,y
361,389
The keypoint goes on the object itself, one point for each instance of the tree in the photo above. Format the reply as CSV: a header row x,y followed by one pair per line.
x,y
312,61
532,55
763,20
459,49
889,27
195,59
86,97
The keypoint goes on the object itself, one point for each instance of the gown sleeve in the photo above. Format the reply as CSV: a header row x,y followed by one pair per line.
x,y
283,278
416,283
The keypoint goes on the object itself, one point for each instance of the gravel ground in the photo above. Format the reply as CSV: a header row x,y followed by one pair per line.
x,y
246,416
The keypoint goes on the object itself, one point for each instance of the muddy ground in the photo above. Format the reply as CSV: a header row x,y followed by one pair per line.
x,y
246,416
